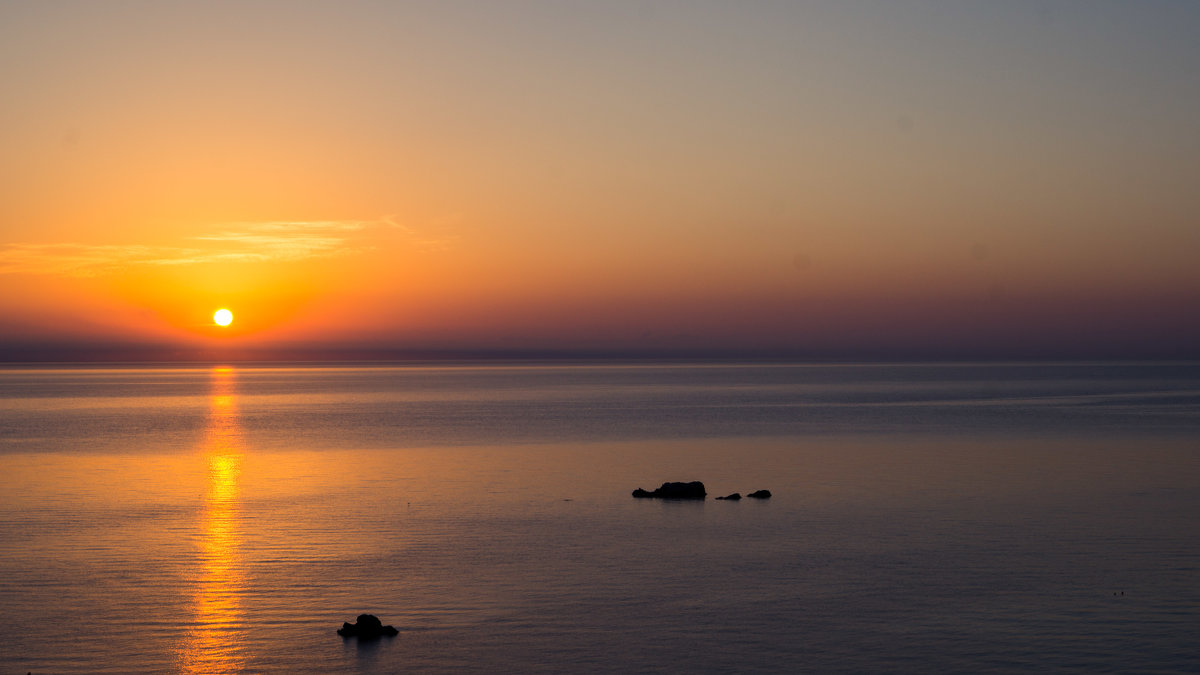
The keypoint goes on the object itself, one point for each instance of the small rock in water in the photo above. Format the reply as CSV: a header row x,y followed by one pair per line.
x,y
366,627
735,496
692,490
760,494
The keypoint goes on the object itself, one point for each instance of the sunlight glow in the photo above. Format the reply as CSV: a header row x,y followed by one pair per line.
x,y
223,317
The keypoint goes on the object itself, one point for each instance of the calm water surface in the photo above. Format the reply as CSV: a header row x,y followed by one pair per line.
x,y
926,518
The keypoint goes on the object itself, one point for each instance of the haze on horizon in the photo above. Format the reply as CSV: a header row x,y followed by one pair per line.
x,y
812,180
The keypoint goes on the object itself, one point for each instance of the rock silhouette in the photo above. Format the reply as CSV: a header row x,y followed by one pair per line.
x,y
692,490
733,497
760,494
366,627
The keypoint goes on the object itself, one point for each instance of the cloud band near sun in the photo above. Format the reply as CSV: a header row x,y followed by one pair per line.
x,y
236,242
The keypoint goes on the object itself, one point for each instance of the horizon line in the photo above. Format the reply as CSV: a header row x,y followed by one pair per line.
x,y
135,353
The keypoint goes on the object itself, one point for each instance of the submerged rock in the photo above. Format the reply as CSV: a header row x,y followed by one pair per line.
x,y
760,494
692,490
733,497
366,627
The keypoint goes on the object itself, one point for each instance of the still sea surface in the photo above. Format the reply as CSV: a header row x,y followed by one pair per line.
x,y
925,518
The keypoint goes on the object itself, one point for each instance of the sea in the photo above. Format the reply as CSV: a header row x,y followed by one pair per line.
x,y
965,518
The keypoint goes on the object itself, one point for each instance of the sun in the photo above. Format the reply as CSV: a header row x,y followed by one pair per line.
x,y
223,317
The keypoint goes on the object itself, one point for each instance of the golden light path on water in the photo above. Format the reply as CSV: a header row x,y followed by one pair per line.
x,y
217,637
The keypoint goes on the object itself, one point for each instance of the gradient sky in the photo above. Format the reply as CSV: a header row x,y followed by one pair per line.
x,y
812,179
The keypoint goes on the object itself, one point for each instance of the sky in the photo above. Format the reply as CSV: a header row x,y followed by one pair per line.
x,y
809,180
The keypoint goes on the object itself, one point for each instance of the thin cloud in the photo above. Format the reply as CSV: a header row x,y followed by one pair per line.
x,y
312,225
240,242
74,259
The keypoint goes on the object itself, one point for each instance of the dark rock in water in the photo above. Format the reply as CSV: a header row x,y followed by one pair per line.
x,y
366,627
733,497
692,490
760,494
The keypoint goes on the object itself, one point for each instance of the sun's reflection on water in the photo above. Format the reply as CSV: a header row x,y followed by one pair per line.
x,y
217,637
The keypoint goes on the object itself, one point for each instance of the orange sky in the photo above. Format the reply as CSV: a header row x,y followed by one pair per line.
x,y
888,179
